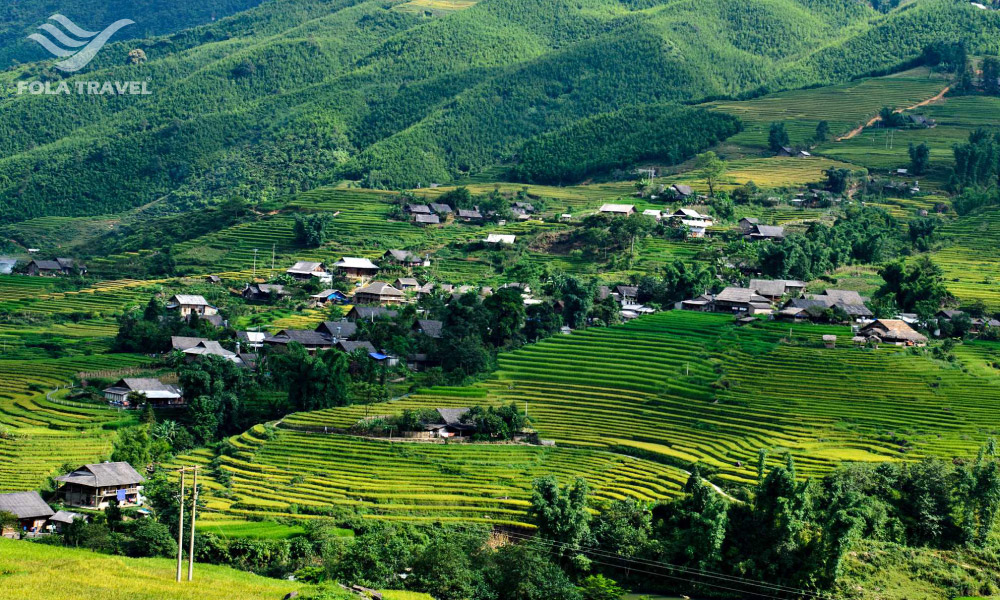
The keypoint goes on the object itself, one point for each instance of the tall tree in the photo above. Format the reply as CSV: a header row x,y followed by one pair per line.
x,y
777,137
711,168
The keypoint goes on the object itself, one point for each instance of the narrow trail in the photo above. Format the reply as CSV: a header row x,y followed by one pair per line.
x,y
876,119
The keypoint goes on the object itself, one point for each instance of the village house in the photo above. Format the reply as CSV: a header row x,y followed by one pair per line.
x,y
59,266
626,293
741,301
427,219
311,340
765,232
618,209
652,213
153,390
210,348
702,303
817,306
681,192
188,304
31,511
696,222
263,292
253,340
407,284
405,258
61,519
338,330
429,327
379,292
776,289
498,238
213,279
94,486
441,209
349,347
746,224
181,343
328,297
417,209
469,215
305,270
356,268
450,423
892,331
370,313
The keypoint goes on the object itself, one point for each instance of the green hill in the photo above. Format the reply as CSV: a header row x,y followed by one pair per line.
x,y
285,96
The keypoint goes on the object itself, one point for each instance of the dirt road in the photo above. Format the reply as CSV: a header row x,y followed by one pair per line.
x,y
874,120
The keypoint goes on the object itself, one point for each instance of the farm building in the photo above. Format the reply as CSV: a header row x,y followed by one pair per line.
x,y
652,213
618,209
250,339
153,390
702,303
441,209
746,224
31,511
765,232
429,327
498,238
405,258
892,331
328,297
94,486
210,348
338,330
742,301
817,306
312,340
378,292
61,519
213,279
696,222
469,215
304,270
370,313
775,289
189,304
263,292
407,284
356,268
626,293
59,266
427,219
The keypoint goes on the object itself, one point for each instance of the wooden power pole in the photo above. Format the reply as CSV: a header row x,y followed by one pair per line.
x,y
180,531
194,507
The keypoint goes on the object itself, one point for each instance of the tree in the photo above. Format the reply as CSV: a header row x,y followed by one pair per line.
x,y
991,75
920,158
519,572
837,179
599,587
979,491
506,310
561,514
711,168
133,445
777,137
623,528
822,131
694,528
313,381
915,287
577,298
541,321
444,568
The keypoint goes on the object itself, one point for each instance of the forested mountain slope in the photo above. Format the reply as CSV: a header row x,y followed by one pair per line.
x,y
296,93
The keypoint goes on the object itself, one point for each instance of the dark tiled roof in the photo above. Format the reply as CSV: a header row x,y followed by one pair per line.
x,y
25,505
110,474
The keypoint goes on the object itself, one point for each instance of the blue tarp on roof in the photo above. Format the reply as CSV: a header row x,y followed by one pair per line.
x,y
378,355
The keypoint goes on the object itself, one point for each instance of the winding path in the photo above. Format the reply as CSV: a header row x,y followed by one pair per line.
x,y
876,119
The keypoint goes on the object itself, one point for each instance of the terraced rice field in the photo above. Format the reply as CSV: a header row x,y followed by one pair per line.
x,y
51,296
40,435
971,263
416,481
843,106
691,387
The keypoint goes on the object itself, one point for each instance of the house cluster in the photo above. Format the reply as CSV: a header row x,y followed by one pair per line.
x,y
434,213
695,222
92,487
627,297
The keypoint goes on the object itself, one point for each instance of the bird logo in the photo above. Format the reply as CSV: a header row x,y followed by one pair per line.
x,y
78,46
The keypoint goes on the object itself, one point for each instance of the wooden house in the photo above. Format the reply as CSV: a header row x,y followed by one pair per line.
x,y
31,511
426,219
892,331
59,266
370,313
741,301
429,327
330,296
338,330
776,289
379,292
263,292
305,270
189,304
153,390
356,268
618,210
94,486
405,258
310,339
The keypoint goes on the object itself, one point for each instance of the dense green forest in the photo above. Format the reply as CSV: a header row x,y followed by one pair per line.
x,y
287,96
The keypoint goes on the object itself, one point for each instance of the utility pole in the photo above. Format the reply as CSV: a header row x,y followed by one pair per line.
x,y
180,531
194,508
